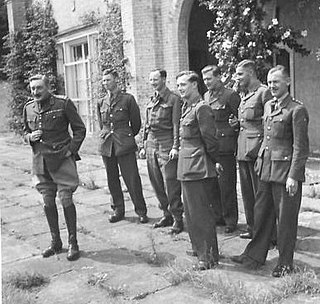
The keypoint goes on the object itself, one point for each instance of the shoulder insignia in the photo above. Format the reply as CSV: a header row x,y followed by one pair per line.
x,y
297,101
29,101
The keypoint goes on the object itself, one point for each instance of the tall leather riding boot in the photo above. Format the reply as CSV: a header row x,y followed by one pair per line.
x,y
70,215
51,213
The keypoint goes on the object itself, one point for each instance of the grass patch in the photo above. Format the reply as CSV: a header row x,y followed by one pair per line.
x,y
223,290
19,287
26,281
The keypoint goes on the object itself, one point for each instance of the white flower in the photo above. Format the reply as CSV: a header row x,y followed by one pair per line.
x,y
209,33
286,34
246,11
304,33
220,14
226,44
275,21
269,52
251,44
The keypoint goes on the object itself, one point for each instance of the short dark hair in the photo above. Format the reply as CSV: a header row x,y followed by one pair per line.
x,y
216,71
42,77
248,64
162,72
112,72
192,76
280,68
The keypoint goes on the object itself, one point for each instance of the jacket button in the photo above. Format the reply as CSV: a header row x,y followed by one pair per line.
x,y
286,157
270,118
241,129
222,134
267,148
268,137
111,132
269,128
242,120
111,115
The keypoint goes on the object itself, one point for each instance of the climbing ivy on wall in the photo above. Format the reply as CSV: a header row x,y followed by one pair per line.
x,y
110,40
240,31
32,50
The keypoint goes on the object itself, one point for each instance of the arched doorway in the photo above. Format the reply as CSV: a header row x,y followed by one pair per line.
x,y
201,20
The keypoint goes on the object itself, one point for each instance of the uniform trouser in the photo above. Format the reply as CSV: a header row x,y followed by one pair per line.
x,y
163,177
227,205
130,174
249,186
64,181
274,203
199,214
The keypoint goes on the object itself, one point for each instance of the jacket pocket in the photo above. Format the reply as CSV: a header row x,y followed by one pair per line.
x,y
227,140
280,165
253,143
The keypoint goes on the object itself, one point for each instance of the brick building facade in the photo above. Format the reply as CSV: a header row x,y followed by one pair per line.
x,y
170,34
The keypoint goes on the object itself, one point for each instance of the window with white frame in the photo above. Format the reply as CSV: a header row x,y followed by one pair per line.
x,y
79,69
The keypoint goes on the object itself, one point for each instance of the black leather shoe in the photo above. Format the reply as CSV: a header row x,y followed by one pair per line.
x,y
246,235
230,229
238,259
73,252
165,221
53,249
281,270
143,219
191,253
246,261
202,265
117,217
177,227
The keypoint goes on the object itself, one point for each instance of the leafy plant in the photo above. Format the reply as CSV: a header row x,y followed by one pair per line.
x,y
240,31
32,50
110,41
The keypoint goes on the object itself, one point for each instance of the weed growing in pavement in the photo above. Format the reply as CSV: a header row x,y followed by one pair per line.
x,y
88,182
83,230
18,287
154,257
100,279
223,290
26,280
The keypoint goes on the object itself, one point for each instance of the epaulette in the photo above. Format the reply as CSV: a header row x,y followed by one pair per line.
x,y
65,97
297,101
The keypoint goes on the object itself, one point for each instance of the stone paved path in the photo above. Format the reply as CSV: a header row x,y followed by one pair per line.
x,y
129,258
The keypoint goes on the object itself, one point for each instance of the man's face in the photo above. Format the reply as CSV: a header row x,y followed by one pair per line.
x,y
211,82
109,82
243,76
156,81
278,84
185,87
39,90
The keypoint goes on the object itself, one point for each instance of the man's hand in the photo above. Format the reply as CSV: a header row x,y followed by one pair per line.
x,y
291,186
219,169
233,121
173,154
35,135
142,153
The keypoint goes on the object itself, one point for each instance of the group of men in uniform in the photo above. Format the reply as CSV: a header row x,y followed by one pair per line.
x,y
191,145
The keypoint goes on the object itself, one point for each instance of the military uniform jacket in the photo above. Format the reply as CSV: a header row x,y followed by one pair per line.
x,y
250,114
54,118
285,146
199,145
162,119
224,103
120,121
